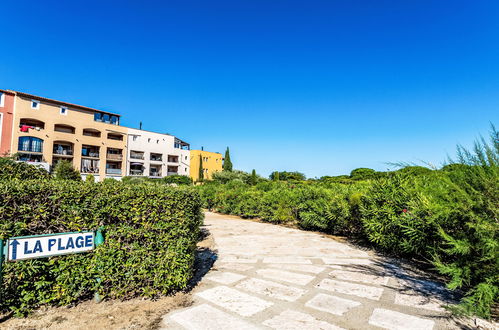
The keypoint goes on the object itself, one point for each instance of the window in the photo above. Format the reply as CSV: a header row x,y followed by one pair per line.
x,y
2,99
105,118
118,137
114,120
149,140
91,132
63,111
157,141
30,144
98,116
35,104
64,128
134,137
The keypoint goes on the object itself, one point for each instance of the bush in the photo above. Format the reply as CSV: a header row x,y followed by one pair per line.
x,y
362,174
150,238
177,179
64,170
228,176
10,169
287,176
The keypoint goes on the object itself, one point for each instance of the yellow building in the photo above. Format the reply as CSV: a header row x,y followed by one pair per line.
x,y
212,162
46,131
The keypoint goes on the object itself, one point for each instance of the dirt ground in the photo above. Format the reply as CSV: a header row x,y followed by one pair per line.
x,y
114,314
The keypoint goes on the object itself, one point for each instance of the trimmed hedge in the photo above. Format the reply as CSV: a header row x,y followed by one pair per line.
x,y
150,239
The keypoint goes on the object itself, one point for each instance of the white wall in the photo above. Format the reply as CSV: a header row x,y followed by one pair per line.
x,y
150,142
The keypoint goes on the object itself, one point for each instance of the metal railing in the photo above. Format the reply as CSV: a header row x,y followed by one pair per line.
x,y
113,171
114,156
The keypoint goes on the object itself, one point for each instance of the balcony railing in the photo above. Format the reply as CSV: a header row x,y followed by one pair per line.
x,y
64,152
90,154
114,157
155,174
172,173
116,171
136,172
137,156
156,159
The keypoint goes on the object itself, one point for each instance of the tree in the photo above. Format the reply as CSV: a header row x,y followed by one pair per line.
x,y
287,176
253,178
201,170
362,174
177,179
64,170
227,162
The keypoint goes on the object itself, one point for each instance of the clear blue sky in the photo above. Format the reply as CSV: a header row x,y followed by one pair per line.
x,y
321,87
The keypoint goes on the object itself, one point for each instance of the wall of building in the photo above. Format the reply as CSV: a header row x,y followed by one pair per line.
x,y
6,119
49,113
173,160
212,162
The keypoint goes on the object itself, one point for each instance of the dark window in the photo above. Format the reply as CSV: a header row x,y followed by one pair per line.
x,y
114,120
31,144
98,116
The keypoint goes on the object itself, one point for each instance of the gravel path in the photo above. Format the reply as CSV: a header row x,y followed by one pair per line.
x,y
272,277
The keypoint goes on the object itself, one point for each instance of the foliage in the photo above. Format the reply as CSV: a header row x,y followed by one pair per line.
x,y
177,179
287,176
10,169
362,174
89,178
200,170
64,170
227,162
253,179
448,217
226,176
150,237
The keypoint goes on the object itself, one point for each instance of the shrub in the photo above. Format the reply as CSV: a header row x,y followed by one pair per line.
x,y
10,169
64,170
287,176
228,176
150,238
177,179
362,174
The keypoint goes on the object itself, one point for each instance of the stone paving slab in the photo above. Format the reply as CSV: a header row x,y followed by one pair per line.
x,y
388,319
234,300
205,317
271,289
359,290
285,276
268,276
332,304
293,320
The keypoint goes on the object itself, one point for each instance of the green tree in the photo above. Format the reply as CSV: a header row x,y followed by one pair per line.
x,y
227,161
362,174
201,170
287,176
253,178
64,170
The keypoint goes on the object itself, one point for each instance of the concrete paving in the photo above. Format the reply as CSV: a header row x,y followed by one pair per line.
x,y
272,277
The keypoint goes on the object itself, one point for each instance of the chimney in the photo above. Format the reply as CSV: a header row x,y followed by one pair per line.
x,y
202,148
140,125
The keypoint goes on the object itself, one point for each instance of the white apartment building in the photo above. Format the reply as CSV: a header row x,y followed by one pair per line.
x,y
156,155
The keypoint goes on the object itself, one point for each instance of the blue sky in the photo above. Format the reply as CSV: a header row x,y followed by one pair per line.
x,y
321,87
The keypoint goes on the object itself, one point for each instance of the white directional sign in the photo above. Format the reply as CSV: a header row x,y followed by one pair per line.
x,y
22,248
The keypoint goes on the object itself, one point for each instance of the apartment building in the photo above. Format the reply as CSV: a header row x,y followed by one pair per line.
x,y
6,120
156,155
212,162
46,131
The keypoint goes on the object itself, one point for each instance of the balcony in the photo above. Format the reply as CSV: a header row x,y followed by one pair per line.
x,y
113,171
116,157
63,152
172,173
136,172
136,155
172,159
156,157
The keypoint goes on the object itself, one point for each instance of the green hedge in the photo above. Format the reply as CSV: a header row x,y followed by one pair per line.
x,y
150,238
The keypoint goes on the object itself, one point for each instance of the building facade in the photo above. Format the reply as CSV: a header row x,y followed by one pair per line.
x,y
46,131
212,162
6,120
156,155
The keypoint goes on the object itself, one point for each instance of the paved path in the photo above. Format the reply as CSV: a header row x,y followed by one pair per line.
x,y
272,277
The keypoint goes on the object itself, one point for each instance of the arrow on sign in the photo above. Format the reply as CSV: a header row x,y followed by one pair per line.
x,y
14,245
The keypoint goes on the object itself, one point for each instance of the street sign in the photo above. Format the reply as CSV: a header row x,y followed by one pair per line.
x,y
40,246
